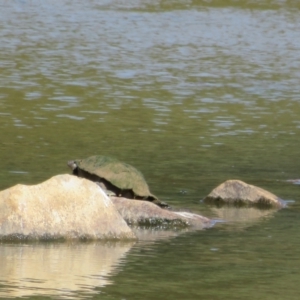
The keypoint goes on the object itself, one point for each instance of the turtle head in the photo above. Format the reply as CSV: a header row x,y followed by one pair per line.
x,y
72,164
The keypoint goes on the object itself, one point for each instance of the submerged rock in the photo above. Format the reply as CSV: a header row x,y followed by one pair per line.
x,y
64,206
239,192
294,181
144,213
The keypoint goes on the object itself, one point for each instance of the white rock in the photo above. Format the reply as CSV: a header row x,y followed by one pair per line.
x,y
64,206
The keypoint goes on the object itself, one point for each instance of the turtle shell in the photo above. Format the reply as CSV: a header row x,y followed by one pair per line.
x,y
121,175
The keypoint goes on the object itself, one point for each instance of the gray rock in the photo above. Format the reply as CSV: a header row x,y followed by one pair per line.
x,y
64,206
236,191
146,213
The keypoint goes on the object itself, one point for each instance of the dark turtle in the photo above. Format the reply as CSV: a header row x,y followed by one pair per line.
x,y
114,176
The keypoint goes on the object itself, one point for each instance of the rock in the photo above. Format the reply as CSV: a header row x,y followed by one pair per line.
x,y
137,212
294,181
236,191
64,206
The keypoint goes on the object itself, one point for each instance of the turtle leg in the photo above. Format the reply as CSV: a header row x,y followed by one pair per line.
x,y
127,194
103,187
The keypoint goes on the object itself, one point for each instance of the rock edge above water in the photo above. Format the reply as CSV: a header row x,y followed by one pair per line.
x,y
69,207
239,192
137,212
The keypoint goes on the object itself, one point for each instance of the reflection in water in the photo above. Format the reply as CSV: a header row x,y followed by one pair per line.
x,y
68,270
242,217
58,269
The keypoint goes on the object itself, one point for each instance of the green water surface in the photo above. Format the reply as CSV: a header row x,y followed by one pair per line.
x,y
191,93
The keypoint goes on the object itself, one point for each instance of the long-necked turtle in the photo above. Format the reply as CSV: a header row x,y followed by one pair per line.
x,y
112,175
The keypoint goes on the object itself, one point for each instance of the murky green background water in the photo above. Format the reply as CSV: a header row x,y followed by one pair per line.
x,y
191,93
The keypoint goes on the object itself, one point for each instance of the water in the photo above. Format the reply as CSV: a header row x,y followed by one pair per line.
x,y
191,93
